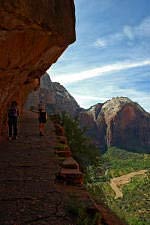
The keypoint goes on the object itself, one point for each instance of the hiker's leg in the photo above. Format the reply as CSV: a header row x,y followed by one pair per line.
x,y
10,126
15,129
41,128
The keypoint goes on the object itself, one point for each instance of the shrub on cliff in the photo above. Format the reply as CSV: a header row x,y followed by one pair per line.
x,y
82,148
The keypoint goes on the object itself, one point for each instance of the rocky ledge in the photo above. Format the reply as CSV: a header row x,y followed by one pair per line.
x,y
33,34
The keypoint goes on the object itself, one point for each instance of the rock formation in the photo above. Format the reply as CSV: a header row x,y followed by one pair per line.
x,y
121,123
33,34
52,94
97,132
64,102
128,125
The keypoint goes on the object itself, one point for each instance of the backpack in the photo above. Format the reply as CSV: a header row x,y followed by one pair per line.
x,y
12,112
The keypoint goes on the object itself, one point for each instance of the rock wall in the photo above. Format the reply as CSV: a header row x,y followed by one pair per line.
x,y
33,34
96,132
130,129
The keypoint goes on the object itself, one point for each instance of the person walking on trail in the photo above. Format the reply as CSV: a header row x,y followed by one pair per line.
x,y
42,120
13,114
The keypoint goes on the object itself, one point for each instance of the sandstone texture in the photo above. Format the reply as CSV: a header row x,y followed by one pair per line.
x,y
33,34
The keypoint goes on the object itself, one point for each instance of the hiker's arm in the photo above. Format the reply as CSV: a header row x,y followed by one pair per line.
x,y
18,114
35,111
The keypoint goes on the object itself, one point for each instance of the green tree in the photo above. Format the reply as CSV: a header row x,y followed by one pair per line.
x,y
82,148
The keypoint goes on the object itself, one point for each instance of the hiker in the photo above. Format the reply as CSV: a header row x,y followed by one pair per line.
x,y
42,120
13,114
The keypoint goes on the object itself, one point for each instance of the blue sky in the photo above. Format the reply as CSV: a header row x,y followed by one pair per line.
x,y
111,56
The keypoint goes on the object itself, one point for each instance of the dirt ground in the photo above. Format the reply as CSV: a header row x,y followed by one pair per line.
x,y
117,182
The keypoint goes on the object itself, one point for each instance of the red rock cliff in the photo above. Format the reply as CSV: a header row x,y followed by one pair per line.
x,y
33,34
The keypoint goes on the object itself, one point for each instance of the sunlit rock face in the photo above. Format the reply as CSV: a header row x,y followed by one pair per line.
x,y
64,102
33,34
127,125
54,96
118,122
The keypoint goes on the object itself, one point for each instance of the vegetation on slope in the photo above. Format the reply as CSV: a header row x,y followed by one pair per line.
x,y
82,148
118,162
135,204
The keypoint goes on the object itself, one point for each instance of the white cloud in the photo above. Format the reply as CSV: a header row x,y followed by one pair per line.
x,y
130,32
143,29
108,40
98,71
100,43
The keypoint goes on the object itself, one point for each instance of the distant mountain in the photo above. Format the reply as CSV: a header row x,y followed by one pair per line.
x,y
117,122
122,123
64,102
54,96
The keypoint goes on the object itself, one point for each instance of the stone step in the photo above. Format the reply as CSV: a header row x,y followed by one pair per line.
x,y
62,147
62,139
63,153
70,163
59,130
71,176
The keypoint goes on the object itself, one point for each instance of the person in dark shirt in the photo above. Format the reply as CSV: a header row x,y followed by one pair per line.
x,y
42,120
13,114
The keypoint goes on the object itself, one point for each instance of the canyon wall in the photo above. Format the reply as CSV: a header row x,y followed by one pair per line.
x,y
33,34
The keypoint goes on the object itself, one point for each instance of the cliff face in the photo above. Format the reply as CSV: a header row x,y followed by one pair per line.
x,y
128,125
124,124
118,122
54,96
33,34
96,131
64,102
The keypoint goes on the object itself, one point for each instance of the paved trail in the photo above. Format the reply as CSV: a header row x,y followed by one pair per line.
x,y
28,193
117,182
